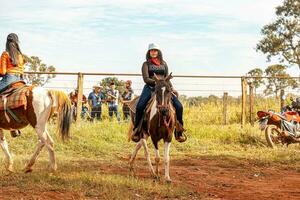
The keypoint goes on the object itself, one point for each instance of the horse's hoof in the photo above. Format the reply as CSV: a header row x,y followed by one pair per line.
x,y
10,168
168,181
132,171
156,178
9,172
28,170
52,169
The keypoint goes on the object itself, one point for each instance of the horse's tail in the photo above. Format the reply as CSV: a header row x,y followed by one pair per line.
x,y
132,106
62,105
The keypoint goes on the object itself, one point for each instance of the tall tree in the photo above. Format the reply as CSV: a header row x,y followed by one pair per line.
x,y
35,64
255,77
108,80
281,38
120,84
274,85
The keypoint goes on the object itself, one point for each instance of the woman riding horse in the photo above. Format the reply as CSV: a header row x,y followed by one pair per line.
x,y
35,106
155,64
12,63
11,66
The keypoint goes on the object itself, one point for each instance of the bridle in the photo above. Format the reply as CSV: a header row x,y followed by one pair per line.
x,y
164,108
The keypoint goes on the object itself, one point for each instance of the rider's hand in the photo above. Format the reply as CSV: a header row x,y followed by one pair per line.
x,y
175,93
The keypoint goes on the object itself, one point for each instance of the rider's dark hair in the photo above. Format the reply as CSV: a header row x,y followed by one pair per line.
x,y
13,48
159,56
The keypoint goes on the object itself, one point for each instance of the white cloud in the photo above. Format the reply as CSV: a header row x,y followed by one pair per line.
x,y
116,32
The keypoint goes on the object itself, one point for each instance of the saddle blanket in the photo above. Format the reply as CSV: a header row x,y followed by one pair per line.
x,y
132,104
16,99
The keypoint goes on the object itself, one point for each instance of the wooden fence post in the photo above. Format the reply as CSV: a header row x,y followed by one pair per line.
x,y
282,99
225,104
251,96
80,95
244,101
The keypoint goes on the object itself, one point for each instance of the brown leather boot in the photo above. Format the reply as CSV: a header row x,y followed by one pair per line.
x,y
179,133
15,133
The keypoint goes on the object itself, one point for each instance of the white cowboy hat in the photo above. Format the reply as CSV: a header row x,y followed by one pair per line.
x,y
97,86
153,46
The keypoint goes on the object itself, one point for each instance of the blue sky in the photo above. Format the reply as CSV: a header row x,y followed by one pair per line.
x,y
196,36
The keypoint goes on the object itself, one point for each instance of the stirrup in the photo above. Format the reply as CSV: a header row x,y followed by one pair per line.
x,y
135,136
15,133
182,137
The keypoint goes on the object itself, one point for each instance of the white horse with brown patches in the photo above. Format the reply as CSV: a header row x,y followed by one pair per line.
x,y
39,107
161,120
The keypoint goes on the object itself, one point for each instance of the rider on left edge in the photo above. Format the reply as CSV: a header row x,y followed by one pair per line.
x,y
12,63
11,66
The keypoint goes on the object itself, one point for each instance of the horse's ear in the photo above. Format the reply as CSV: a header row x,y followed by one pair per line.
x,y
169,77
155,77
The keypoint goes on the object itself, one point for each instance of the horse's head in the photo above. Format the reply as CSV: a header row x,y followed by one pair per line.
x,y
163,92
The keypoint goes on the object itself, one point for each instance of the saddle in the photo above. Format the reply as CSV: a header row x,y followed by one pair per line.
x,y
13,97
132,104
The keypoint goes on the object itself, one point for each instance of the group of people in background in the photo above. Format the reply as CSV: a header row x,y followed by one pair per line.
x,y
12,71
92,106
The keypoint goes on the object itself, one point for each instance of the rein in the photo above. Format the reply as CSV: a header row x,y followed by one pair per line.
x,y
166,122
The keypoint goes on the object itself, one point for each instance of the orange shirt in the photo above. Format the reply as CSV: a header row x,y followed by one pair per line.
x,y
6,65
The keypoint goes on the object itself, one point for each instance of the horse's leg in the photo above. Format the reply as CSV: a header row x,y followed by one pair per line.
x,y
129,133
42,141
157,159
40,129
147,154
4,146
167,161
133,156
50,147
42,109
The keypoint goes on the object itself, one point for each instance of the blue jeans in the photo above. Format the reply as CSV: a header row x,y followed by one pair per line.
x,y
7,80
145,98
96,112
113,109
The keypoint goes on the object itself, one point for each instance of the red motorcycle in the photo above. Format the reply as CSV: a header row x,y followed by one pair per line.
x,y
281,129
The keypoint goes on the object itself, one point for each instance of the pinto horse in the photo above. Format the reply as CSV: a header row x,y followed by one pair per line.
x,y
160,123
41,103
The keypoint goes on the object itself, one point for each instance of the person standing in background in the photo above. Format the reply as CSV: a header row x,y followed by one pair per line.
x,y
127,96
112,99
74,97
95,100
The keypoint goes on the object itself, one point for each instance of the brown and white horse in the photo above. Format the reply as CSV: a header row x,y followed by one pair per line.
x,y
40,105
160,126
